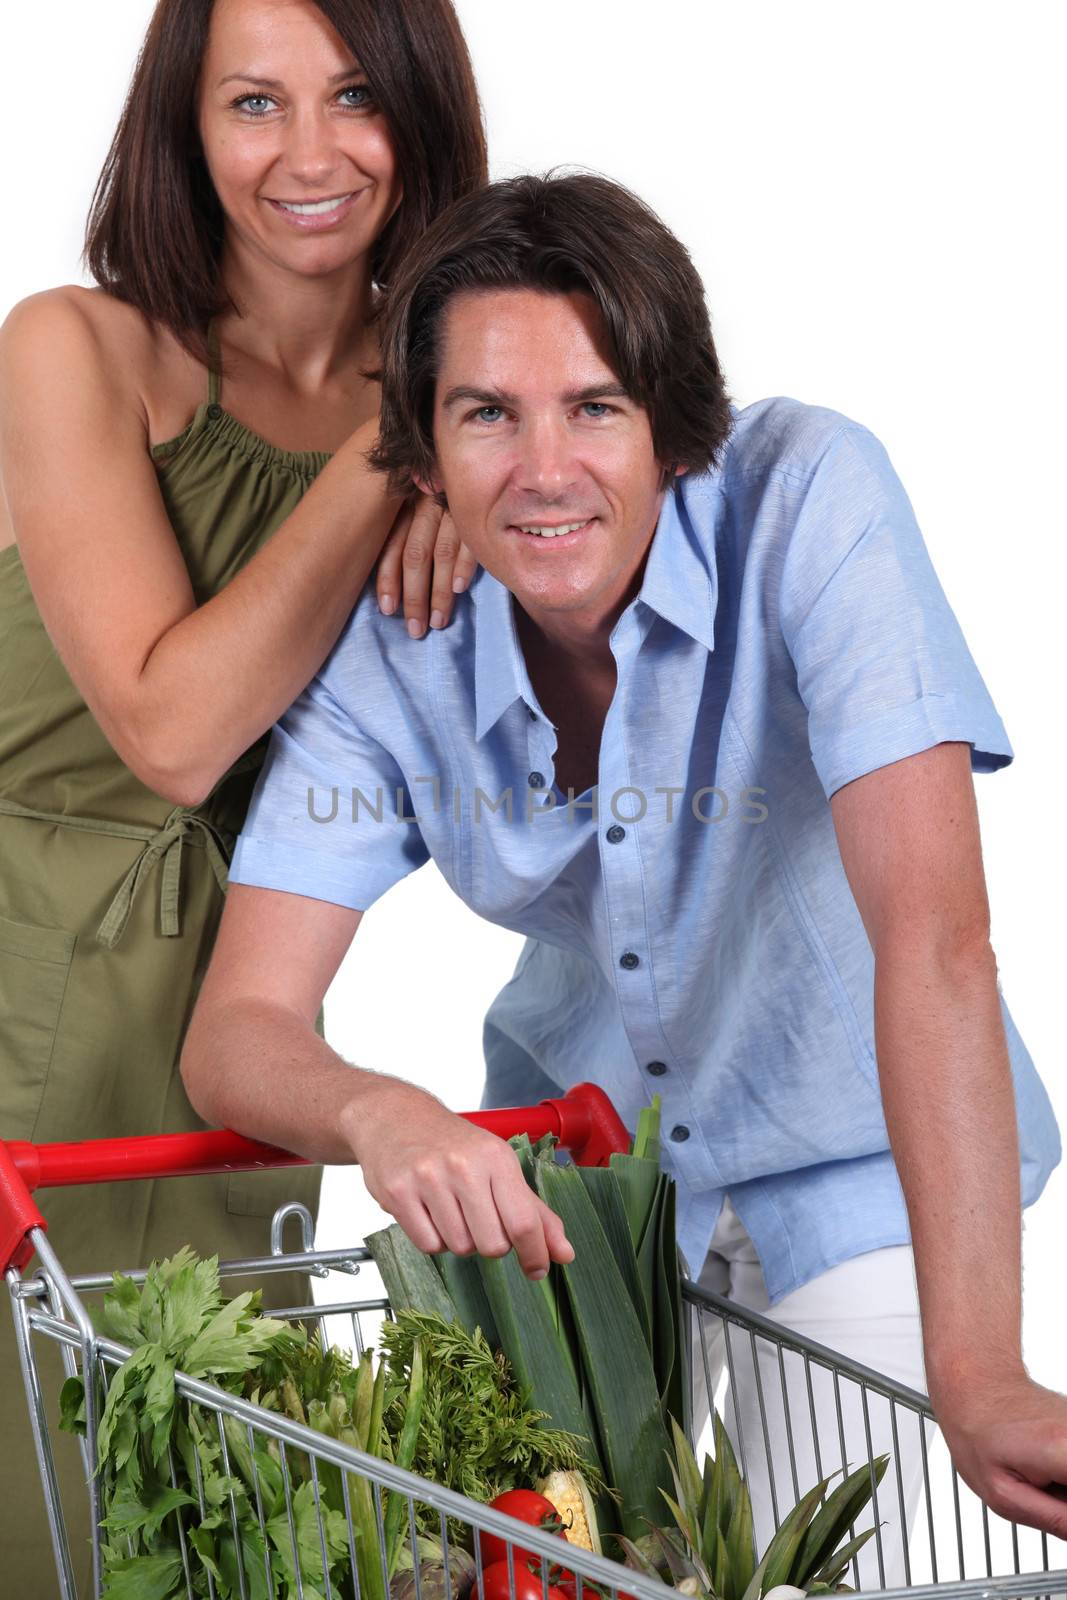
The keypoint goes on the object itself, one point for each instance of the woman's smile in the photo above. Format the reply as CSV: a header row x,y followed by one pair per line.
x,y
314,215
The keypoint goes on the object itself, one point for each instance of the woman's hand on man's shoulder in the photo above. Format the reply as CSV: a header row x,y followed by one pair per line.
x,y
425,564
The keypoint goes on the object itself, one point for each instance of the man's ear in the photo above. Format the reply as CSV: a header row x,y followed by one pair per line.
x,y
672,470
431,487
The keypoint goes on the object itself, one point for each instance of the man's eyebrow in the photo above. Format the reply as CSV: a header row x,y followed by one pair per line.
x,y
276,83
610,390
598,391
483,397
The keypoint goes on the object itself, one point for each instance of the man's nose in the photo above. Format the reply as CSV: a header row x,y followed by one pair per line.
x,y
546,458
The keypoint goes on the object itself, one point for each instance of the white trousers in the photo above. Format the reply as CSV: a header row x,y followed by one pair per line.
x,y
867,1309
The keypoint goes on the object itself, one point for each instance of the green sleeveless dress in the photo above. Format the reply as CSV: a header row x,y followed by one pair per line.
x,y
110,899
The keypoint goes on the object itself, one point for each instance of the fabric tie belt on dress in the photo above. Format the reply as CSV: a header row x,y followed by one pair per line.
x,y
183,825
180,827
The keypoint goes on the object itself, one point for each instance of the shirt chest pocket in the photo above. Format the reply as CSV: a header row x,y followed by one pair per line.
x,y
34,967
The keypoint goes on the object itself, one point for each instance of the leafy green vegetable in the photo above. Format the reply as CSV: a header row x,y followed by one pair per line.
x,y
614,1352
439,1402
476,1435
589,1344
161,1462
411,1278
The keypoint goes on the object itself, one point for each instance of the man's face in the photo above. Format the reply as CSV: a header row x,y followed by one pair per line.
x,y
533,431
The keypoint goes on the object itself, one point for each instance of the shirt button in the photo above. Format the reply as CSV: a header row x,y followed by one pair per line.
x,y
679,1133
629,960
536,780
657,1068
214,411
615,834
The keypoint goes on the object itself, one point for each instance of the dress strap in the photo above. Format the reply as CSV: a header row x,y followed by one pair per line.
x,y
214,380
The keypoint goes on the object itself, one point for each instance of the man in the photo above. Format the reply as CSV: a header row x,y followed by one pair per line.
x,y
703,729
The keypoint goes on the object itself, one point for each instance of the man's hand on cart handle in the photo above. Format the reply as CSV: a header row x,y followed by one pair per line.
x,y
1008,1440
450,1185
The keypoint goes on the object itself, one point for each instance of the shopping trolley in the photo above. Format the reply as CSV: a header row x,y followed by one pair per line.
x,y
810,1396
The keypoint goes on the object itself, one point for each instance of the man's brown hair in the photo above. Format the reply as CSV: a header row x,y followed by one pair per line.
x,y
155,230
558,233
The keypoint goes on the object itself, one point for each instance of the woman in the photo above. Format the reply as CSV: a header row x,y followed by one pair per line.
x,y
191,522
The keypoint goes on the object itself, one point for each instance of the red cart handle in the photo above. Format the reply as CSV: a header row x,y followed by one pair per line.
x,y
584,1121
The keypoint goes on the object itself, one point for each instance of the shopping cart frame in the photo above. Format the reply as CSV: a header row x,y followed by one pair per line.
x,y
48,1304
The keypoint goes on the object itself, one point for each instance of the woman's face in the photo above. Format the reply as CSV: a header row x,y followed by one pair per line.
x,y
297,149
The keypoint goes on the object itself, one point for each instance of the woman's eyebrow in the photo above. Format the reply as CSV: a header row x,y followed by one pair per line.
x,y
276,83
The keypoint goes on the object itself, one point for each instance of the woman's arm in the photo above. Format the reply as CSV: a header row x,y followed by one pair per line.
x,y
179,690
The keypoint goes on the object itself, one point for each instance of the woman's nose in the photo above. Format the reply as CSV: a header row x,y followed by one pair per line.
x,y
311,151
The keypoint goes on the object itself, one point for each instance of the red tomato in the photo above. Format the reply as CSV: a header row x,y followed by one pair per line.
x,y
568,1586
525,1506
496,1584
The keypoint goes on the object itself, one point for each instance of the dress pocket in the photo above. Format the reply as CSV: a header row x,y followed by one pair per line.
x,y
259,1194
34,966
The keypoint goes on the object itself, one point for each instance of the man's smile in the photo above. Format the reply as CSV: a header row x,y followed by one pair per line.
x,y
558,535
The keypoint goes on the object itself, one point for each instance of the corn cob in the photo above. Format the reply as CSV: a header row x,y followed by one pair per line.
x,y
569,1493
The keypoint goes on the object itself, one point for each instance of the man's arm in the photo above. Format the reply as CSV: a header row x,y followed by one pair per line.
x,y
909,840
253,1061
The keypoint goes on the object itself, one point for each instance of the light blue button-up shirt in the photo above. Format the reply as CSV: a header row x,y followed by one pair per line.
x,y
697,937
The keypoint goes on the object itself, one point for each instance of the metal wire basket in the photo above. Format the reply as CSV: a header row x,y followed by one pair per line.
x,y
830,1412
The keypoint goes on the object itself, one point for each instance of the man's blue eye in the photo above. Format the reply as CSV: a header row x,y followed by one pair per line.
x,y
481,413
598,407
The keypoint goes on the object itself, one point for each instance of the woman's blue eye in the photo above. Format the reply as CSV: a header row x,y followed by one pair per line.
x,y
245,103
249,102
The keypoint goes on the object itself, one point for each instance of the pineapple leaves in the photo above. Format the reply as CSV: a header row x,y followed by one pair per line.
x,y
636,1557
740,1547
837,1516
835,1568
713,1539
687,1480
784,1548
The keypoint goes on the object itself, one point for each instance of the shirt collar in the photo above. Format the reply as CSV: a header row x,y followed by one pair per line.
x,y
680,585
681,582
500,676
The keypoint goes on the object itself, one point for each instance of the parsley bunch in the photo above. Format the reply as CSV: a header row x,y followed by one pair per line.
x,y
477,1434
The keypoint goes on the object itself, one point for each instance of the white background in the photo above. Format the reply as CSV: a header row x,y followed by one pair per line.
x,y
873,195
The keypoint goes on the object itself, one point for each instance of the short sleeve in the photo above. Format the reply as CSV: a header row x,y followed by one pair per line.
x,y
329,816
881,663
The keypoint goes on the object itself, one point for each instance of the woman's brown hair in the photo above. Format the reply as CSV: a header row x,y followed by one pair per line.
x,y
558,234
155,230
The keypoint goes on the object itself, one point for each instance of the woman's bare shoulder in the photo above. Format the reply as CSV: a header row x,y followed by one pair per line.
x,y
81,330
90,332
